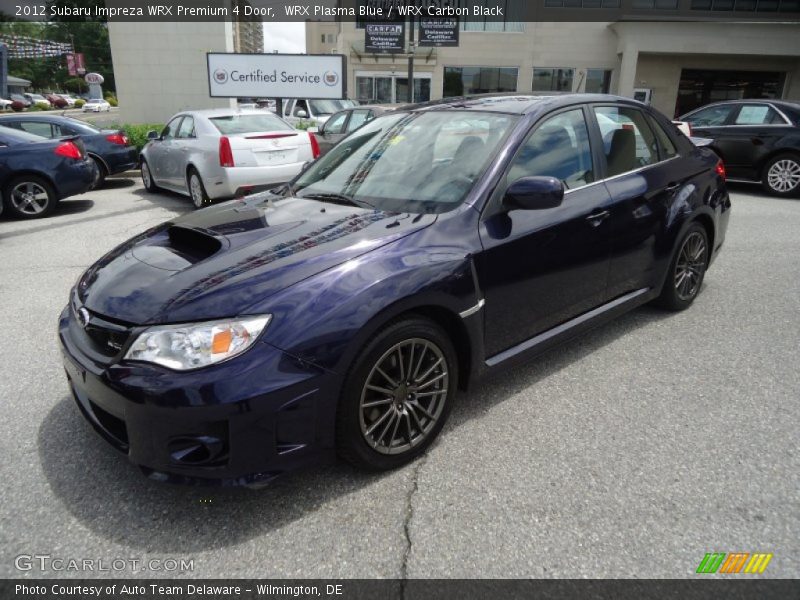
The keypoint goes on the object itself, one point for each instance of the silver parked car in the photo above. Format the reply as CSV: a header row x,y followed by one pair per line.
x,y
222,153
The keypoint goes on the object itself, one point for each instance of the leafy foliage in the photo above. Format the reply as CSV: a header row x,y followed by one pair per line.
x,y
137,134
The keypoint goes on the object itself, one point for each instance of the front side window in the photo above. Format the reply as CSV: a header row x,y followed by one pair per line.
x,y
187,128
711,116
758,114
628,141
358,118
559,148
420,162
553,79
461,81
171,130
336,123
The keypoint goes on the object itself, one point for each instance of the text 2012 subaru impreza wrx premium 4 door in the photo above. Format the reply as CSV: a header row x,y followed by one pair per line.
x,y
429,247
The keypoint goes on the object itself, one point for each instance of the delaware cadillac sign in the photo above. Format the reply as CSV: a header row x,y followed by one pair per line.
x,y
276,75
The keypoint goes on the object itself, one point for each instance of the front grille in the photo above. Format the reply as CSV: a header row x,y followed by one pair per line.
x,y
105,337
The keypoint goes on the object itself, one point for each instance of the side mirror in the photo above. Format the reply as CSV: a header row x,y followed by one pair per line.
x,y
534,193
152,135
301,114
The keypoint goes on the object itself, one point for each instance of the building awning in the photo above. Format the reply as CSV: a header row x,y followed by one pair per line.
x,y
17,81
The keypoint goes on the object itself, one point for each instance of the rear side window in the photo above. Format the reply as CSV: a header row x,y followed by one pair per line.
x,y
665,146
628,141
710,117
37,128
758,114
233,124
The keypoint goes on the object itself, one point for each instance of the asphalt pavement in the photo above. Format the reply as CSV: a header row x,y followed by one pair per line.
x,y
631,452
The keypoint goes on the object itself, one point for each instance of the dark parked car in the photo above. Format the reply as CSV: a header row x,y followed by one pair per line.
x,y
108,148
20,98
433,245
35,173
345,122
759,140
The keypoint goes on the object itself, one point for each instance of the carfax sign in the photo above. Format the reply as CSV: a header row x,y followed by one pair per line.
x,y
276,75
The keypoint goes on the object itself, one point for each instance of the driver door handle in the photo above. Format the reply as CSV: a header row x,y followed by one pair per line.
x,y
598,217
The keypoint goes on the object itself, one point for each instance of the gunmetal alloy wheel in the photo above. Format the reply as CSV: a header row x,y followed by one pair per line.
x,y
29,198
404,396
690,266
783,175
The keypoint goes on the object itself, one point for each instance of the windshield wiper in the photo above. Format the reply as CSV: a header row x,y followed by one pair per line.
x,y
336,199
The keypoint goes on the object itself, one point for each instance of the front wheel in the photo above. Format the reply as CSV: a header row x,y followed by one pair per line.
x,y
687,270
782,175
397,395
147,178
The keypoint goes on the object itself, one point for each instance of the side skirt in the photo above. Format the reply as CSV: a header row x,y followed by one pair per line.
x,y
575,326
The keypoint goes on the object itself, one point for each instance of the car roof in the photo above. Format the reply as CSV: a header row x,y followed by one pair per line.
x,y
34,117
515,103
225,112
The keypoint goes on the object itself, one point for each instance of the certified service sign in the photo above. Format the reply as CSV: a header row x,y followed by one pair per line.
x,y
276,75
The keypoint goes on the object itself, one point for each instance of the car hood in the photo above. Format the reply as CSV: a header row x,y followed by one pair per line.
x,y
225,260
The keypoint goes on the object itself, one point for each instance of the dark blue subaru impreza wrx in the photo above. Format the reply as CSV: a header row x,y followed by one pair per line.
x,y
339,315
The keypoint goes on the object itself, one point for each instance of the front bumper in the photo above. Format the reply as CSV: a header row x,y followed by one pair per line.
x,y
242,422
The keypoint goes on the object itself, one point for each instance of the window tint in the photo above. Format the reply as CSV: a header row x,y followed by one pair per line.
x,y
336,123
559,148
171,130
628,142
237,123
37,128
358,118
556,80
757,114
187,128
711,116
665,146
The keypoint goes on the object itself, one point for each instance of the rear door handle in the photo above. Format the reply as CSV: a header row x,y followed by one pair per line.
x,y
598,217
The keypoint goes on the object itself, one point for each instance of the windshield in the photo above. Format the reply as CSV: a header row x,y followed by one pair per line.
x,y
328,107
409,162
233,124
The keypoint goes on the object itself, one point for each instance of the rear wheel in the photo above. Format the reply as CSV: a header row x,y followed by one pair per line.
x,y
687,270
147,178
197,190
30,197
782,175
100,179
397,395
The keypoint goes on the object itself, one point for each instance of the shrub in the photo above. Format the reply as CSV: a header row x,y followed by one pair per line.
x,y
17,106
79,103
38,106
303,125
137,134
112,100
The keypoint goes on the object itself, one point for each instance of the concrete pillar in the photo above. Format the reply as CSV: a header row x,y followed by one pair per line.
x,y
627,71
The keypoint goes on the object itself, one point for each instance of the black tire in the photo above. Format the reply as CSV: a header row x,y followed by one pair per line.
x,y
687,270
428,391
781,175
18,202
147,178
197,191
100,180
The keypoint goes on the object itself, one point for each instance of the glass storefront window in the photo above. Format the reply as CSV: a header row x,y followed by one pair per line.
x,y
598,81
459,81
553,79
390,89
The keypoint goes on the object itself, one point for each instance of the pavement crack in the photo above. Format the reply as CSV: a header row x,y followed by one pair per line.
x,y
409,515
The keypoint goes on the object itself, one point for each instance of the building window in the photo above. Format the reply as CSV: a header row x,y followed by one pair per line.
x,y
553,79
581,3
784,6
513,20
598,81
390,89
460,81
655,4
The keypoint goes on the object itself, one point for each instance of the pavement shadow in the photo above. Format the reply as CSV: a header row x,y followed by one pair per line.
x,y
117,183
111,497
72,207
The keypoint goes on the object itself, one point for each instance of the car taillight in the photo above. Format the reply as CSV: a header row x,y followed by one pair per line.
x,y
314,145
69,150
225,153
118,138
720,169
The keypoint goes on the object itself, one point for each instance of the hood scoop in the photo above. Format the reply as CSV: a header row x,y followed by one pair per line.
x,y
193,244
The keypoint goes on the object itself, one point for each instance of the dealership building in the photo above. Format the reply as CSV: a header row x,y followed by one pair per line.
x,y
676,63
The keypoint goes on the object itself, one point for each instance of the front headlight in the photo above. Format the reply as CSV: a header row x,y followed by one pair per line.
x,y
196,345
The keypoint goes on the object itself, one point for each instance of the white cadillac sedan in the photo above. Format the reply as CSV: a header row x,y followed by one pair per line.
x,y
96,105
222,153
